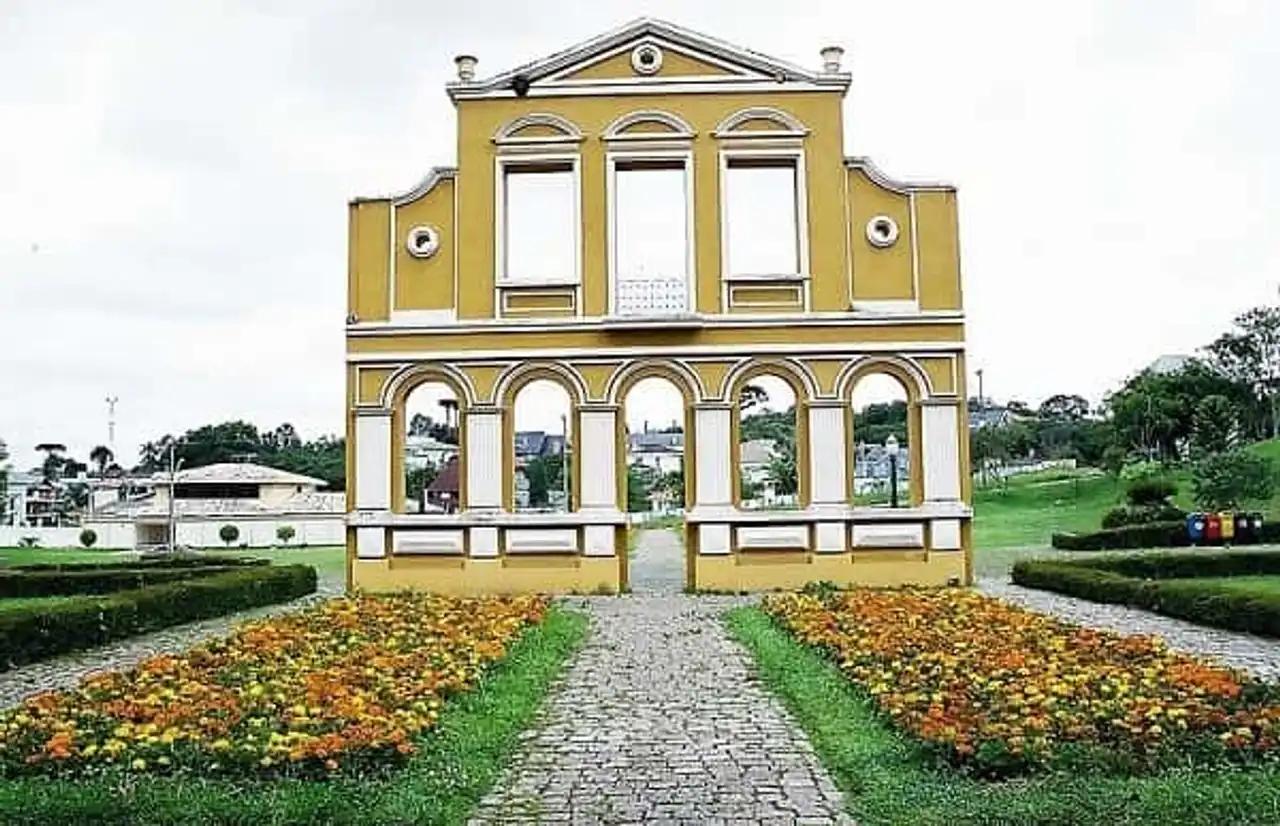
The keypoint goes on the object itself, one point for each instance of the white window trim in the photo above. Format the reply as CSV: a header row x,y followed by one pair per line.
x,y
646,153
501,282
802,219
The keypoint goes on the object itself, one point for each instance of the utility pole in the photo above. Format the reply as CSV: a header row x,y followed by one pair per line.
x,y
173,487
980,396
111,424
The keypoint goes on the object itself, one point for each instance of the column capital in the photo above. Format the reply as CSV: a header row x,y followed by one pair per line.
x,y
713,404
597,407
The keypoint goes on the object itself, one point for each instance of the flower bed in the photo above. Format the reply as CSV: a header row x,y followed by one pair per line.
x,y
346,686
999,690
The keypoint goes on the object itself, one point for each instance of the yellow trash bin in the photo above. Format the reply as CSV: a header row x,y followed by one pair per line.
x,y
1228,527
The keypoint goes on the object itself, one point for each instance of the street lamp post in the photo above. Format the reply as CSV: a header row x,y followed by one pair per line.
x,y
564,460
891,450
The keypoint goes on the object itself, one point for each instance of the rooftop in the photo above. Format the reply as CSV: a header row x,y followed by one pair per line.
x,y
243,472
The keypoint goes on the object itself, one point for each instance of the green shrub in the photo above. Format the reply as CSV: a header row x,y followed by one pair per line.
x,y
285,533
1149,535
1175,586
1142,515
228,534
19,584
1227,481
88,537
167,561
41,631
1150,491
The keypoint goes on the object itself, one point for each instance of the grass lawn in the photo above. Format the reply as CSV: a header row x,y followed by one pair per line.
x,y
32,556
19,603
1261,585
888,781
458,762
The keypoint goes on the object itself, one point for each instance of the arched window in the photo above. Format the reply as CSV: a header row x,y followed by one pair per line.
x,y
542,448
431,450
769,462
886,453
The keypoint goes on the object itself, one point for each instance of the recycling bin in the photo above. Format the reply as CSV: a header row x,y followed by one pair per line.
x,y
1212,529
1255,524
1244,532
1195,528
1228,520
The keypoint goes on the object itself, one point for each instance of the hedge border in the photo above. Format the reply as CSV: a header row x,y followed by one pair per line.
x,y
25,584
1167,584
184,561
38,632
1148,535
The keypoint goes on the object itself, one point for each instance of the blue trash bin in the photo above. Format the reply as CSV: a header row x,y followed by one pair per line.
x,y
1196,523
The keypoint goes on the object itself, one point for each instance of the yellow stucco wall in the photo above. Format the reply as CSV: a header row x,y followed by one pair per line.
x,y
457,287
426,283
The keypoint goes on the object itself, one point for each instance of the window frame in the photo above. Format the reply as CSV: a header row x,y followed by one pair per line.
x,y
767,154
503,163
640,154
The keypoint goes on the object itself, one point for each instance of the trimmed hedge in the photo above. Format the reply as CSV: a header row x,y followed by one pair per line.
x,y
185,561
1149,535
1169,584
105,581
42,631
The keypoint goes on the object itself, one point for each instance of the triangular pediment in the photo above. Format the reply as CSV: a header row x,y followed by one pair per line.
x,y
645,54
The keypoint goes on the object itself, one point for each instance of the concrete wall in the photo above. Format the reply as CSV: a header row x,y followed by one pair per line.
x,y
257,533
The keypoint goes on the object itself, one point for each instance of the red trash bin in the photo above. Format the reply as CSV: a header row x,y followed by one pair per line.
x,y
1213,528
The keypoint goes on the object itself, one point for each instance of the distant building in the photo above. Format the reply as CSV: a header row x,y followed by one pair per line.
x,y
255,498
444,492
1169,363
421,451
990,416
663,452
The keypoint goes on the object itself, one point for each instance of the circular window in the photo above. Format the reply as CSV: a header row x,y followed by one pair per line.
x,y
646,59
882,231
423,242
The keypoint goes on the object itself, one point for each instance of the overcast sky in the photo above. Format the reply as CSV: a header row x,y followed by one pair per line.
x,y
174,179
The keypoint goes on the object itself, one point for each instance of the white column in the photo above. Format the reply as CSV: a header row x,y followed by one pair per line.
x,y
828,453
484,458
714,483
940,433
597,455
373,460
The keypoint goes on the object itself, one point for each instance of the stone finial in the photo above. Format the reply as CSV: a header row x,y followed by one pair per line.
x,y
831,59
466,67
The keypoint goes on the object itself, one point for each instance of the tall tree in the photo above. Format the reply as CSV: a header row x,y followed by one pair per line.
x,y
752,395
1250,354
1064,406
101,456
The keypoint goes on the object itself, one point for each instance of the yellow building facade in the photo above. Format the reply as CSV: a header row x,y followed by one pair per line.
x,y
655,203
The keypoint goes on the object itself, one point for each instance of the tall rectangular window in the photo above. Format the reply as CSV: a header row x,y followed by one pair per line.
x,y
540,224
763,217
651,236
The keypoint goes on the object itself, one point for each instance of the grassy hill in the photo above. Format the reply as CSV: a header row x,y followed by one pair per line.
x,y
1032,507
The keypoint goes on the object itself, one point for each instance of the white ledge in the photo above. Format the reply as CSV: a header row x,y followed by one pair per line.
x,y
500,519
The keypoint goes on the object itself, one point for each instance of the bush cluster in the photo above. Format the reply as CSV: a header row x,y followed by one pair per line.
x,y
1147,535
1169,584
17,584
36,632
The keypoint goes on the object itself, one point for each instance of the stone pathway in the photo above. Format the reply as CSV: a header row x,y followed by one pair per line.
x,y
68,670
1257,654
660,720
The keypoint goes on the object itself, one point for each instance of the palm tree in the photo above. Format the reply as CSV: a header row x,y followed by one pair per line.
x,y
102,457
53,459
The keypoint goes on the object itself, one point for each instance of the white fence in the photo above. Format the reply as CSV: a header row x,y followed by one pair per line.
x,y
257,533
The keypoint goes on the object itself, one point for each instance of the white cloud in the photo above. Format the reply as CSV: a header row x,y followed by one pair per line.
x,y
173,180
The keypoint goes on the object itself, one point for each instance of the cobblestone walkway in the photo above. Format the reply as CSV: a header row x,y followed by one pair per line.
x,y
1257,654
660,720
68,670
